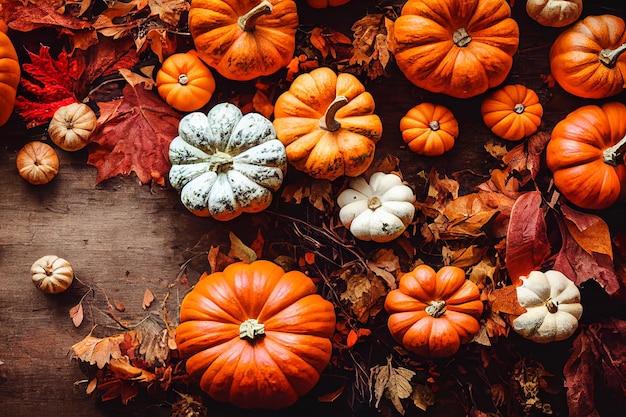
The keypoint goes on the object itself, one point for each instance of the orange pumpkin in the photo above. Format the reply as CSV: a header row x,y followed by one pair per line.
x,y
185,82
587,59
37,163
244,39
322,4
9,76
429,129
327,124
433,312
583,155
456,48
255,335
512,112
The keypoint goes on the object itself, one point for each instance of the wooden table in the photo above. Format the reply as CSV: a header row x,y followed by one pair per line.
x,y
123,237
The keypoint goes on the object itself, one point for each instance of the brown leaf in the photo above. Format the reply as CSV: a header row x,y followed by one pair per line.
x,y
123,369
392,383
504,300
524,159
148,298
98,351
119,306
588,230
76,314
239,250
463,257
422,396
365,293
385,263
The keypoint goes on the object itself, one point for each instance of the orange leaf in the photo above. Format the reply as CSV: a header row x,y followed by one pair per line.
x,y
148,298
76,314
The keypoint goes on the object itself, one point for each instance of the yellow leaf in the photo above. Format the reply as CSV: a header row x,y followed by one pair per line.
x,y
239,250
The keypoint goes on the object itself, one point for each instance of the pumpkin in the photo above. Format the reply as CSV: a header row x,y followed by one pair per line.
x,y
433,312
429,129
379,210
552,303
457,48
327,123
71,126
512,112
244,39
255,335
584,155
225,163
185,82
554,13
52,274
322,4
587,59
37,163
10,73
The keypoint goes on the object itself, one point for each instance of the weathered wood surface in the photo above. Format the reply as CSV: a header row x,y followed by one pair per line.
x,y
123,237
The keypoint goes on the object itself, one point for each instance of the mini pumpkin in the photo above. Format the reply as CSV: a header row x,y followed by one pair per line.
x,y
433,312
584,155
52,274
512,112
244,39
429,129
327,123
379,210
10,73
554,13
255,335
457,48
37,163
71,126
552,303
588,60
185,82
225,163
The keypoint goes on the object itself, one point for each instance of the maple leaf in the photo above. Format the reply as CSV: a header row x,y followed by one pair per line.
x,y
392,383
133,135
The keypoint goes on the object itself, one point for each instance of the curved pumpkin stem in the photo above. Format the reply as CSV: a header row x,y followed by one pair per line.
x,y
461,38
247,21
328,122
610,154
609,56
436,309
251,329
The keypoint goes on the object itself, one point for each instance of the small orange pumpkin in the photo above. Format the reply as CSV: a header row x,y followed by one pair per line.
x,y
244,39
588,59
37,163
512,112
185,82
429,129
9,76
433,312
327,123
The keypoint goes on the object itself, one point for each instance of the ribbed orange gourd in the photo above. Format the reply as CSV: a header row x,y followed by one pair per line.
x,y
588,59
9,76
584,155
429,129
459,48
255,335
512,112
433,312
244,39
327,123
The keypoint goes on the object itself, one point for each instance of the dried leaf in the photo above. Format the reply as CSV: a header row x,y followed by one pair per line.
x,y
153,342
422,396
588,230
98,351
524,159
504,300
393,383
318,192
76,314
148,298
239,250
123,369
119,306
365,292
463,257
385,263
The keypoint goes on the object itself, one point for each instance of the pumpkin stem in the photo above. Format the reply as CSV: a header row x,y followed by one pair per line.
x,y
251,329
221,162
183,79
519,108
247,21
609,56
436,309
328,122
373,203
434,125
461,38
552,306
610,154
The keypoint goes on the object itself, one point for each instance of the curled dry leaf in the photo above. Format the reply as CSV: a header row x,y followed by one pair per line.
x,y
98,351
76,314
392,383
148,298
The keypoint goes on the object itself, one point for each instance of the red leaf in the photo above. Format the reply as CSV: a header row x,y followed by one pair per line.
x,y
133,135
527,244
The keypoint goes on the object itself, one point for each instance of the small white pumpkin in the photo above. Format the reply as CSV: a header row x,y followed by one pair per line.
x,y
378,211
71,126
552,303
225,163
554,13
52,274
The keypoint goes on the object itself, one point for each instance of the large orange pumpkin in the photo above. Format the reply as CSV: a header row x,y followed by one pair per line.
x,y
588,59
9,76
459,48
433,312
244,39
255,335
327,123
583,155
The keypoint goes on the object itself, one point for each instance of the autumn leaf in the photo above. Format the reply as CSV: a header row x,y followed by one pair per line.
x,y
327,41
365,293
239,250
385,263
371,45
153,342
524,159
588,230
148,298
123,369
422,396
133,135
98,351
317,192
76,314
26,16
392,383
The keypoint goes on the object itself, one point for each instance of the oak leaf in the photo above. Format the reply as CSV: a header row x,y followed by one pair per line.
x,y
392,383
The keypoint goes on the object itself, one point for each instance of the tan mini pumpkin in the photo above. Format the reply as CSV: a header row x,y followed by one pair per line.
x,y
52,274
554,13
37,163
71,126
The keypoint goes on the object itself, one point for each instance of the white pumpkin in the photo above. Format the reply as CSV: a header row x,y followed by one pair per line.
x,y
378,211
554,13
52,274
552,303
225,163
